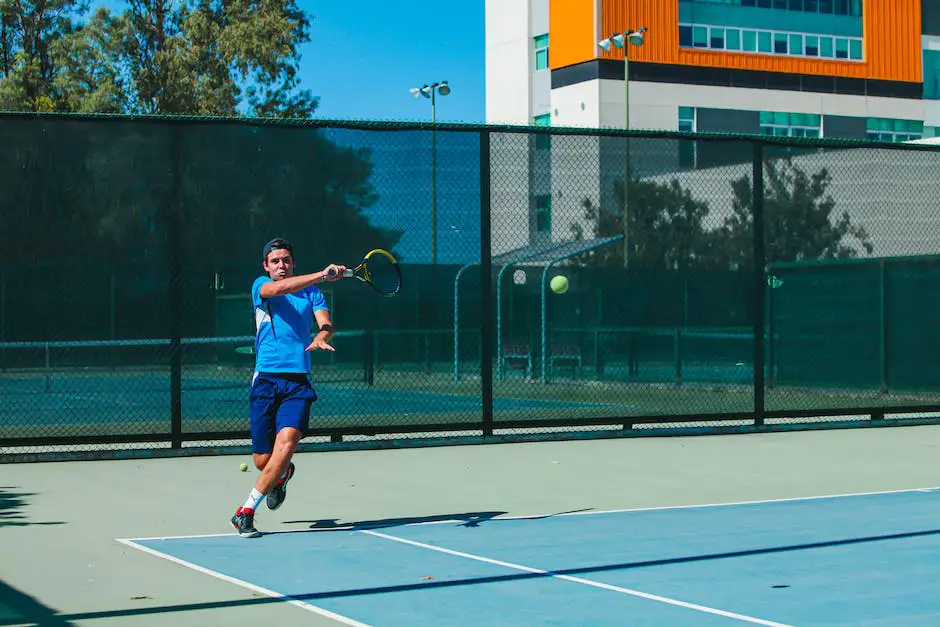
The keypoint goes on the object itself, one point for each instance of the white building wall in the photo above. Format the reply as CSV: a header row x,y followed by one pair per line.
x,y
654,106
509,62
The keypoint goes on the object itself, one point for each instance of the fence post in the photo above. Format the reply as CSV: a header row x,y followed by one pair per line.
x,y
487,338
883,324
760,280
175,232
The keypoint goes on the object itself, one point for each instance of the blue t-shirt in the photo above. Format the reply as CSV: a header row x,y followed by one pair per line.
x,y
283,326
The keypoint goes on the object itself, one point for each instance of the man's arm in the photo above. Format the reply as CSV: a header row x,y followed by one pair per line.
x,y
322,316
325,334
296,283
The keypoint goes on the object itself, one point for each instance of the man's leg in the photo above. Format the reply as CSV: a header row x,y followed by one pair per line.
x,y
277,462
264,406
293,416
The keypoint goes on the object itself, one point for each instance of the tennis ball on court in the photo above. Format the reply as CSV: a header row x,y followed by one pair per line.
x,y
559,284
243,467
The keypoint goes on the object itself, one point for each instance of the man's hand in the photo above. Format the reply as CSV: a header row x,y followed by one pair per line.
x,y
333,272
319,343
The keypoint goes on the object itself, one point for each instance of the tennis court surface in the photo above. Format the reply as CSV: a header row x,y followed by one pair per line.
x,y
810,528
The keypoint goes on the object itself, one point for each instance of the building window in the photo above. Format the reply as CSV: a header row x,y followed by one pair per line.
x,y
792,44
541,52
543,141
931,75
717,41
543,214
811,49
779,124
687,148
894,131
851,8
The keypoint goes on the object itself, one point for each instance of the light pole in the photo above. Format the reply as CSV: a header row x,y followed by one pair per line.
x,y
430,91
624,40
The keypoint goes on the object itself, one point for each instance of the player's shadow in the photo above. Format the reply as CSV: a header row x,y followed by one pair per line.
x,y
12,504
468,519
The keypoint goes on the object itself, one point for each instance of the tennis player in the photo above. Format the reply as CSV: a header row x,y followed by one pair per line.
x,y
281,392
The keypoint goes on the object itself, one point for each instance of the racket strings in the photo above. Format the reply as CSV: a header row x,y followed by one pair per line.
x,y
383,273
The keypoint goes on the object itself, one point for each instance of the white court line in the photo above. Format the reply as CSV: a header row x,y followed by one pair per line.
x,y
244,584
587,582
538,516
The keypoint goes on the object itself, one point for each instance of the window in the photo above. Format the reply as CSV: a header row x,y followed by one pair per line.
x,y
895,131
687,148
717,39
842,48
855,49
764,42
793,43
812,46
780,124
542,141
796,44
931,75
796,5
541,52
687,119
749,41
825,6
543,214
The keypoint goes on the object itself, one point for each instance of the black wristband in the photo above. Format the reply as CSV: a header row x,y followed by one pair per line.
x,y
328,328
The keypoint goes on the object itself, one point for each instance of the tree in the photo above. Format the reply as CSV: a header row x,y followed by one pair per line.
x,y
665,227
799,218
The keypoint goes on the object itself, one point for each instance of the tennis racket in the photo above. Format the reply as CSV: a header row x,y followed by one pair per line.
x,y
379,270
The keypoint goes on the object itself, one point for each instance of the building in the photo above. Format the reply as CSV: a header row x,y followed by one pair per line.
x,y
863,69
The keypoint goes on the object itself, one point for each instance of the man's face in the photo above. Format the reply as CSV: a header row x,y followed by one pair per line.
x,y
279,264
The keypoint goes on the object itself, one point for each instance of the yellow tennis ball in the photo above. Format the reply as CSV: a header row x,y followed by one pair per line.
x,y
243,467
559,284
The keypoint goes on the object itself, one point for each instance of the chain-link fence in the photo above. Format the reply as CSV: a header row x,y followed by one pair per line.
x,y
129,246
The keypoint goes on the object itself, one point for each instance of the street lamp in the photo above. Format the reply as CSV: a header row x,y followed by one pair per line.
x,y
625,40
430,91
619,40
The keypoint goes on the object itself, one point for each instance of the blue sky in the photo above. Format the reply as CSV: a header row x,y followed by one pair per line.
x,y
364,55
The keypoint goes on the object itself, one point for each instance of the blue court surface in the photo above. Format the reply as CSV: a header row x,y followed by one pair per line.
x,y
860,560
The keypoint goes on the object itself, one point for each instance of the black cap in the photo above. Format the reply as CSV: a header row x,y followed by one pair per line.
x,y
278,243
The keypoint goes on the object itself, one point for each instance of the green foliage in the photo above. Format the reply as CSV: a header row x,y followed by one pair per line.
x,y
108,191
799,218
219,57
666,228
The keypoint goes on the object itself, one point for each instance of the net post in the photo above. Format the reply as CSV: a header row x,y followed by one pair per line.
x,y
760,280
487,338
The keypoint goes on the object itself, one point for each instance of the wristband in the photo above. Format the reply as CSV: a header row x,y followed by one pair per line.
x,y
327,328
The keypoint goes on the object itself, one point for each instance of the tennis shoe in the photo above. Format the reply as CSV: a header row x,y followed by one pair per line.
x,y
244,523
279,493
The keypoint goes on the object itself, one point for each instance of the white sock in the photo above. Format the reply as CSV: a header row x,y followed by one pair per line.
x,y
254,499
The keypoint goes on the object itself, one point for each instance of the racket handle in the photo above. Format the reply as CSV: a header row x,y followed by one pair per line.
x,y
346,274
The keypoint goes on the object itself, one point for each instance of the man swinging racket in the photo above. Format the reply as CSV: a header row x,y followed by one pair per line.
x,y
281,392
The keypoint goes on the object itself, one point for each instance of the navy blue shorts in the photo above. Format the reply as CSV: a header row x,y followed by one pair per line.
x,y
278,400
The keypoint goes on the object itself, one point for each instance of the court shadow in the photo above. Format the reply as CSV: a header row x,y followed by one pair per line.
x,y
469,519
12,504
18,608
